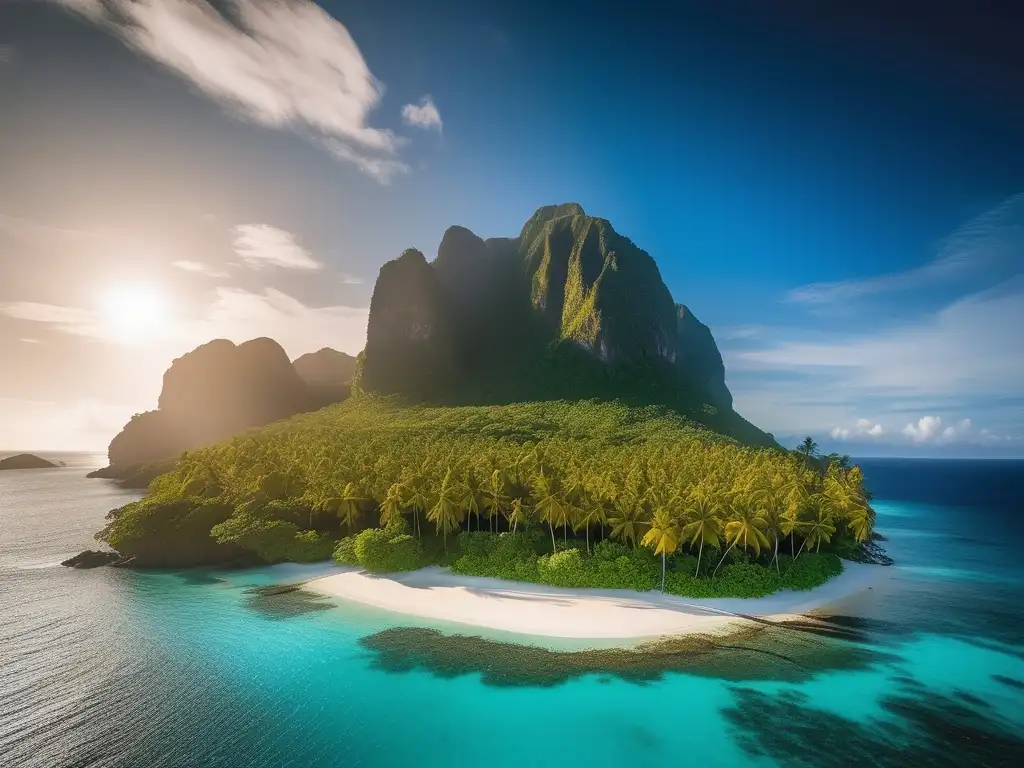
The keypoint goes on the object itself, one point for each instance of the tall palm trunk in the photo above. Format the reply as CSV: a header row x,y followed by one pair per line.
x,y
802,545
776,556
586,530
723,559
554,547
662,571
700,551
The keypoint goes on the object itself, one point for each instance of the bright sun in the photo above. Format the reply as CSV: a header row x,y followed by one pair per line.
x,y
134,313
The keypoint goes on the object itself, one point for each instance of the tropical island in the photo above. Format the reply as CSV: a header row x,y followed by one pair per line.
x,y
26,461
533,409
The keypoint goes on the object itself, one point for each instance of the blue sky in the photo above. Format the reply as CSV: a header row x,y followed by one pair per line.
x,y
837,192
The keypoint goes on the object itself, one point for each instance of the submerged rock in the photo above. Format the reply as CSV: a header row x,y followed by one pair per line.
x,y
92,558
25,461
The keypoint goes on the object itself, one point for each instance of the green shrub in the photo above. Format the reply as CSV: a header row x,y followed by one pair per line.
x,y
345,551
563,569
383,551
810,570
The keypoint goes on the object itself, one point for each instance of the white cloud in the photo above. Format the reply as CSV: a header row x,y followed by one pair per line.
x,y
27,340
863,427
381,169
924,430
422,115
346,279
286,64
868,427
198,267
261,245
80,322
234,314
958,351
993,239
240,315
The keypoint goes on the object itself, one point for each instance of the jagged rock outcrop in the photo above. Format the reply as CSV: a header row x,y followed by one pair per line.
x,y
700,359
208,394
328,375
410,343
325,368
569,306
595,288
25,461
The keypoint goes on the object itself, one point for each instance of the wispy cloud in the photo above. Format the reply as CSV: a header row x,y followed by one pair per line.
x,y
261,245
235,314
73,320
994,239
27,340
198,267
346,279
35,233
962,349
423,115
381,169
282,63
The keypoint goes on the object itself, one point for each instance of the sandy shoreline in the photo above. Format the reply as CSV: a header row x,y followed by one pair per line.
x,y
534,609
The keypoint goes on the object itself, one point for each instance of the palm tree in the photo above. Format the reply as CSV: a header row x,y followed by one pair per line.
x,y
551,504
444,513
519,513
472,498
772,499
704,523
417,500
391,506
819,525
808,449
495,496
627,519
663,537
746,527
350,505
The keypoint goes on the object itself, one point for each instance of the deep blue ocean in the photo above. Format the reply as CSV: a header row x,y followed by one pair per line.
x,y
203,668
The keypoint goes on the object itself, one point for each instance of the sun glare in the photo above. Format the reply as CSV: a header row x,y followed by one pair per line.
x,y
134,313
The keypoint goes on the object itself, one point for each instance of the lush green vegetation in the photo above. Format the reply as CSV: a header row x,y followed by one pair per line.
x,y
592,493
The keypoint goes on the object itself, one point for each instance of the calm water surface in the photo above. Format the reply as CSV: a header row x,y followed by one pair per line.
x,y
117,668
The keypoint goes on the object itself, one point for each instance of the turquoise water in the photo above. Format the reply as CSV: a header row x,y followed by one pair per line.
x,y
119,668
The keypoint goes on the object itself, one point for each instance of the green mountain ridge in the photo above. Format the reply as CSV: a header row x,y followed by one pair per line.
x,y
568,309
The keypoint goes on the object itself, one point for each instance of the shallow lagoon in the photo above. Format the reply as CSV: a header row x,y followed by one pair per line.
x,y
204,668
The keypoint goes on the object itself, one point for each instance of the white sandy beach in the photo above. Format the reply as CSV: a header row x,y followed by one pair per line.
x,y
533,609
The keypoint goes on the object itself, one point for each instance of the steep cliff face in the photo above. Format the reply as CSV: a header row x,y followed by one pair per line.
x,y
568,308
409,340
210,393
699,358
597,289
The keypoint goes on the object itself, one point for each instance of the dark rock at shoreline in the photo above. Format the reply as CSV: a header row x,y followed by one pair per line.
x,y
92,558
871,552
26,461
137,476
